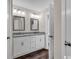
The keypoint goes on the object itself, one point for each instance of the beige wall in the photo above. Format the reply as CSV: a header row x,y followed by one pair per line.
x,y
57,30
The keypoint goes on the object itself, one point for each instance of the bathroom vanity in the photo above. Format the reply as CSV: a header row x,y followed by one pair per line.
x,y
25,43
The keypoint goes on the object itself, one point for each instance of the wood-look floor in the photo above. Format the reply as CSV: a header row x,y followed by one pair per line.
x,y
40,54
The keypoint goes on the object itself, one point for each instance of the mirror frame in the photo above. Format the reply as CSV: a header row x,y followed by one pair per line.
x,y
23,18
31,23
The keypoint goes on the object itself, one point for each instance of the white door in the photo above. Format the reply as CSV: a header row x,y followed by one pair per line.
x,y
68,29
50,32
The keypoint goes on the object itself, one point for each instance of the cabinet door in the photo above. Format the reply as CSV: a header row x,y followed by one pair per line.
x,y
18,46
40,42
33,43
27,44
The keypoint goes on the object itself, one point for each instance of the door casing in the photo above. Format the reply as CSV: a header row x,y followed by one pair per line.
x,y
59,33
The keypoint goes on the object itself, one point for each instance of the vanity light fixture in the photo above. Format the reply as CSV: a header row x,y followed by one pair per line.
x,y
35,16
18,11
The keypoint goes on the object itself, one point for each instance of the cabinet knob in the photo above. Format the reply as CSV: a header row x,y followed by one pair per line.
x,y
40,39
51,36
22,43
8,37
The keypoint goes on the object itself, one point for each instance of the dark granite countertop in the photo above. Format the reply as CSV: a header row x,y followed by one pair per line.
x,y
28,34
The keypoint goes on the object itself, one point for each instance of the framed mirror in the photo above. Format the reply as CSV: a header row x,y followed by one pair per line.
x,y
18,23
34,24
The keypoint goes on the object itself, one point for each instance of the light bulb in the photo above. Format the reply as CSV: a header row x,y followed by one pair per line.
x,y
23,13
19,12
14,10
35,16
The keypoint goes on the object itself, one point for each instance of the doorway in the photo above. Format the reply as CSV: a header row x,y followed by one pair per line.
x,y
29,22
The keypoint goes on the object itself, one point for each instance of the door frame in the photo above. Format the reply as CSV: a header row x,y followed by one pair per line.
x,y
9,31
59,30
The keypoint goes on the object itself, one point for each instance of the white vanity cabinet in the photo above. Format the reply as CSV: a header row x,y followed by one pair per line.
x,y
27,44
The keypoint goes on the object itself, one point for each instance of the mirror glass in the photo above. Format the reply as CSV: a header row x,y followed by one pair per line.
x,y
18,23
34,24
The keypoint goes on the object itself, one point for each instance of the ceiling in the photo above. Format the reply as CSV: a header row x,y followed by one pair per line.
x,y
33,4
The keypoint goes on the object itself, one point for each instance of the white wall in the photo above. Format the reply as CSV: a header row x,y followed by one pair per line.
x,y
27,19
